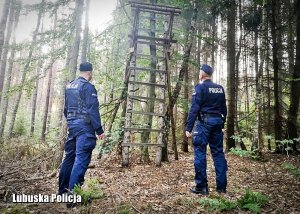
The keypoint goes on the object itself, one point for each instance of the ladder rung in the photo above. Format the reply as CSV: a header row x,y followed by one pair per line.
x,y
149,57
145,98
147,83
143,129
143,144
156,8
149,38
151,30
151,43
158,12
146,69
146,113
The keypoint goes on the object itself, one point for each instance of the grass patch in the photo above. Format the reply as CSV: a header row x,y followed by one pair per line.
x,y
291,169
243,153
218,204
92,191
124,209
19,208
251,201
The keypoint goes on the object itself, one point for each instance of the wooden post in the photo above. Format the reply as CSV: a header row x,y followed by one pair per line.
x,y
129,108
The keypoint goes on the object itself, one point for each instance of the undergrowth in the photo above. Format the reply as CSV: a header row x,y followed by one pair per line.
x,y
243,153
251,201
291,169
92,191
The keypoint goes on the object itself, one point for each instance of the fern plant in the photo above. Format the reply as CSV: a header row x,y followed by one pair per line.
x,y
93,191
252,201
292,169
218,204
243,153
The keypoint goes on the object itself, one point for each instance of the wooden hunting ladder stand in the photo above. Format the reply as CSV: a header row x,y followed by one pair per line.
x,y
166,14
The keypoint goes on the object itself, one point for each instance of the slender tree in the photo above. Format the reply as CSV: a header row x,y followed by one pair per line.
x,y
26,68
231,16
85,33
77,38
7,83
3,22
293,111
50,73
6,44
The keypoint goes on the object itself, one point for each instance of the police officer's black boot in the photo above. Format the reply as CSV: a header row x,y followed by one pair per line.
x,y
199,190
220,191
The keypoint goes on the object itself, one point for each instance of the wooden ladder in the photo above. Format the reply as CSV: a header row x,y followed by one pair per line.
x,y
167,14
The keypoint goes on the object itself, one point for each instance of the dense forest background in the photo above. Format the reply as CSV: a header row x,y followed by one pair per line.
x,y
253,45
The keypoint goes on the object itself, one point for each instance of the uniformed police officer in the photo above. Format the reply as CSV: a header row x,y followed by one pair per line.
x,y
83,118
209,110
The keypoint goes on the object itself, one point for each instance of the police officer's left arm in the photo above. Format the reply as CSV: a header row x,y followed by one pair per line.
x,y
92,106
224,108
195,108
65,107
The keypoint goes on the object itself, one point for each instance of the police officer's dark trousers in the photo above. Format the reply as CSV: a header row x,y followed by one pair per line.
x,y
209,131
78,151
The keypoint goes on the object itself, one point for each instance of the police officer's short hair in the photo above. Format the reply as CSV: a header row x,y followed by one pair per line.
x,y
85,66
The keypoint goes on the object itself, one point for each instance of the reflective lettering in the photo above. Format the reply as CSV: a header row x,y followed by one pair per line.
x,y
216,90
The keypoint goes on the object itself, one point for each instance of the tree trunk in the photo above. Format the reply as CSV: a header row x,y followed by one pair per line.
x,y
295,87
3,22
26,68
6,45
4,101
151,89
50,72
34,98
85,33
185,142
231,74
274,33
183,69
76,41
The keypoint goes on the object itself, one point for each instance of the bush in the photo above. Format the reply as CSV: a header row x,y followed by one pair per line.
x,y
218,204
93,191
243,153
20,127
252,201
292,169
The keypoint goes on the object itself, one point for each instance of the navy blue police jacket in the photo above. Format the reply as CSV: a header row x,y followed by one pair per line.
x,y
208,98
81,104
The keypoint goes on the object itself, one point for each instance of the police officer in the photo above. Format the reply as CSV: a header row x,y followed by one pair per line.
x,y
209,110
83,118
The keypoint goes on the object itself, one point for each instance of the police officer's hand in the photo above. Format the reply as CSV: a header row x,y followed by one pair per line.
x,y
102,136
188,134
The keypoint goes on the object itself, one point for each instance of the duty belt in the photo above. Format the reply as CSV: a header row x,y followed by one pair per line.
x,y
203,116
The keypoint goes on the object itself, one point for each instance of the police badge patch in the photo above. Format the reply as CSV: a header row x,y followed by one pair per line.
x,y
194,92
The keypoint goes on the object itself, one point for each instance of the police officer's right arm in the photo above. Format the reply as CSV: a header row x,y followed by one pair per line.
x,y
195,108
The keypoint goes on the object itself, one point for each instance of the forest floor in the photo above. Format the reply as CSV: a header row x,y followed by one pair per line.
x,y
144,188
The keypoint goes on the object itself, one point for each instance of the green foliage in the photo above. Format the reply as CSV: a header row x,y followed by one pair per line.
x,y
292,169
243,153
16,210
218,204
252,201
20,126
124,209
285,144
93,191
